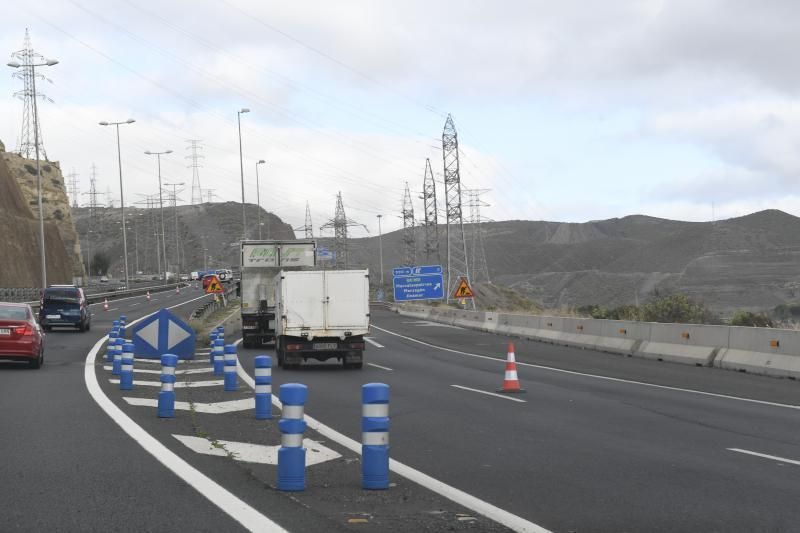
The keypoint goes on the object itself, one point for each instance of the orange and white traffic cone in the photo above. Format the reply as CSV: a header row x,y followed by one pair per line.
x,y
148,296
511,381
105,305
177,289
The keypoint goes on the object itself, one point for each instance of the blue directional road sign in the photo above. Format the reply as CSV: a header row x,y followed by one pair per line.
x,y
161,333
418,283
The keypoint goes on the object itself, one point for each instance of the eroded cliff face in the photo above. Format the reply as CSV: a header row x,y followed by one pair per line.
x,y
19,247
55,206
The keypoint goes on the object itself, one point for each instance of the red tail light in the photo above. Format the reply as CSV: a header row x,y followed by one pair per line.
x,y
24,331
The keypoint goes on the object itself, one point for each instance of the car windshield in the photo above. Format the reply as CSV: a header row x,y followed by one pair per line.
x,y
8,312
61,295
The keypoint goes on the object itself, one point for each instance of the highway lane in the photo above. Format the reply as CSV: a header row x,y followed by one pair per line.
x,y
67,466
580,453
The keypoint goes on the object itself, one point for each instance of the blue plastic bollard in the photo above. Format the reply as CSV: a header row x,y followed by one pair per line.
x,y
291,454
115,324
221,331
126,374
230,368
111,346
122,330
166,398
375,436
123,320
218,356
116,364
212,337
263,387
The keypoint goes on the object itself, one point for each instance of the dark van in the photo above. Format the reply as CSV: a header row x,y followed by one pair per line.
x,y
64,305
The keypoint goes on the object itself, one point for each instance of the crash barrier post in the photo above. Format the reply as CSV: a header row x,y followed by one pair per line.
x,y
263,387
375,436
111,345
116,365
291,454
230,368
166,398
126,373
218,356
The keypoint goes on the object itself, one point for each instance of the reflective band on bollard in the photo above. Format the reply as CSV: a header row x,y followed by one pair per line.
x,y
211,338
291,454
230,368
116,366
375,436
166,398
263,387
218,356
111,346
126,375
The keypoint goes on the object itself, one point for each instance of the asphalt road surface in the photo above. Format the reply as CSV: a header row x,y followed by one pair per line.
x,y
581,453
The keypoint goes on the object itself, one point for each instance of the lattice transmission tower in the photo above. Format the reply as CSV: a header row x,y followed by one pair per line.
x,y
431,222
72,187
26,145
340,223
93,227
307,228
195,157
409,240
480,269
457,265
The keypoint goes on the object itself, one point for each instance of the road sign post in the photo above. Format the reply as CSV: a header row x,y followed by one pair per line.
x,y
418,283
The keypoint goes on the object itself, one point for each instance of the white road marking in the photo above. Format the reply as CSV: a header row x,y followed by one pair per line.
x,y
381,367
137,303
216,494
503,396
178,384
113,309
178,371
595,376
216,408
180,361
512,521
765,456
429,324
256,453
372,342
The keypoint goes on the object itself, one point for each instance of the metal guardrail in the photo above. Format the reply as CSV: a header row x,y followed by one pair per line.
x,y
99,297
211,307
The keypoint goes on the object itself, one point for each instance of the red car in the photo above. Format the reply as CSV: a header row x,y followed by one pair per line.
x,y
21,338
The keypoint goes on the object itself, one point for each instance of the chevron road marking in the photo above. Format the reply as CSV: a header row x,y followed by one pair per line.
x,y
255,453
217,408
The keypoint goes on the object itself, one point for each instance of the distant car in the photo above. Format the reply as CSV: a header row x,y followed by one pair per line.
x,y
184,277
64,305
21,338
103,279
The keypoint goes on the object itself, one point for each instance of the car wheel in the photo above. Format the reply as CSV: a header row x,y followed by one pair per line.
x,y
48,328
37,363
88,326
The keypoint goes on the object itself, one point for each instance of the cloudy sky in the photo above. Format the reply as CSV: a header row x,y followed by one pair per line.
x,y
567,111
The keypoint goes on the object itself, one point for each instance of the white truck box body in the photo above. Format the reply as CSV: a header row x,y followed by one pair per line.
x,y
322,303
262,260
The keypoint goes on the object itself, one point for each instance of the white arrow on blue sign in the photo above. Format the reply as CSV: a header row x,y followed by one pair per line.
x,y
163,332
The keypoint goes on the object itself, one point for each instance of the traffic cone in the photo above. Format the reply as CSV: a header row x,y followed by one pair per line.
x,y
177,289
148,296
511,381
105,305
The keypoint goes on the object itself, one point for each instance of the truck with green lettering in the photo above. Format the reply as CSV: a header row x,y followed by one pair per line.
x,y
261,261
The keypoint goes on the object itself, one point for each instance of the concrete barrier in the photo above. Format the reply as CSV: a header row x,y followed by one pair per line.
x,y
684,343
622,337
762,351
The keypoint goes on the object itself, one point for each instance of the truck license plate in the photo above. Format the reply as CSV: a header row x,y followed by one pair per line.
x,y
325,345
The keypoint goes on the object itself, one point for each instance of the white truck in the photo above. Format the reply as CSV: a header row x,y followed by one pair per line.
x,y
321,314
261,261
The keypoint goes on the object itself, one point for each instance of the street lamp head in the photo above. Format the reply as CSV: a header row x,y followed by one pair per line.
x,y
14,64
260,162
104,123
51,62
130,121
148,152
168,152
244,110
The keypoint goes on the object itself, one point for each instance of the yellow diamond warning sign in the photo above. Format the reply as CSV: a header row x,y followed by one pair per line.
x,y
212,285
463,290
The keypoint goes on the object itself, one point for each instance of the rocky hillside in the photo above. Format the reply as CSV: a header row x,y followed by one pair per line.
x,y
20,246
206,234
751,262
55,202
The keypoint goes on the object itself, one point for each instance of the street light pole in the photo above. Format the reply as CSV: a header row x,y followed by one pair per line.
x,y
161,209
258,198
380,246
122,198
241,168
177,246
43,253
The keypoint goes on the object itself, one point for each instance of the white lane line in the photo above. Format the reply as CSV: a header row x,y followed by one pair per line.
x,y
246,452
238,510
113,309
512,521
595,376
765,456
137,303
214,408
372,342
381,367
489,393
178,384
